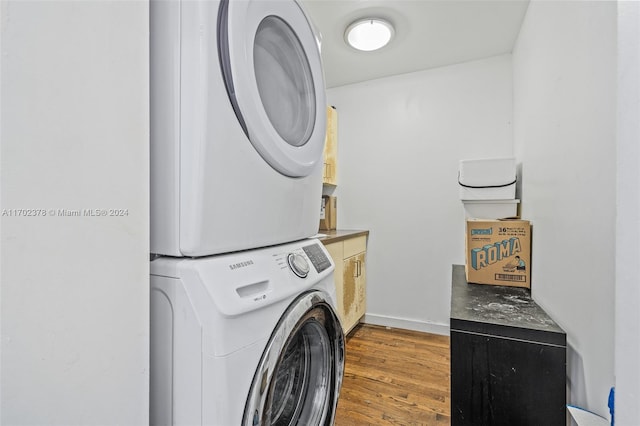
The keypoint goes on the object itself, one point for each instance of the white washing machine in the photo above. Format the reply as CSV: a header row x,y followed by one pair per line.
x,y
247,338
238,122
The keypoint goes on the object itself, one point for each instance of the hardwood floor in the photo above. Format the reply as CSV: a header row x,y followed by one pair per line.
x,y
394,377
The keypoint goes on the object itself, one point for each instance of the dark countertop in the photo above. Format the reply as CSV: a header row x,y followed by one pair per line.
x,y
340,235
505,310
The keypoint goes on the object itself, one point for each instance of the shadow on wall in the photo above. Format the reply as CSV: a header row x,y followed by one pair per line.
x,y
576,384
519,181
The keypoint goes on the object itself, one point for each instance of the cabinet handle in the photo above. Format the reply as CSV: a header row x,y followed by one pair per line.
x,y
358,268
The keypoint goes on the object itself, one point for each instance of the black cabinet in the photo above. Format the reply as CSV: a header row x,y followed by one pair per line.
x,y
508,358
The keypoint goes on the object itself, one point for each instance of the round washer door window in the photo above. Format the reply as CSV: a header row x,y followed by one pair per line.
x,y
300,373
270,61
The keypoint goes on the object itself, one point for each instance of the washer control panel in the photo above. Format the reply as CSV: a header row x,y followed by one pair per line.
x,y
317,256
298,264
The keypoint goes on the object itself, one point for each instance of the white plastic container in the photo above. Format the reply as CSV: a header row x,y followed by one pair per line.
x,y
487,179
490,209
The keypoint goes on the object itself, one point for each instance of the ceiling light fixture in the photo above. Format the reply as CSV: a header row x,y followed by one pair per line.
x,y
369,34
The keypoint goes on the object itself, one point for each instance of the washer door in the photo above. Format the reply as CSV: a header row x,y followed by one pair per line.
x,y
299,376
270,60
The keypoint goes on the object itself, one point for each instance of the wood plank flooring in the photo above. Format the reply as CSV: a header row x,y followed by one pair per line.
x,y
394,377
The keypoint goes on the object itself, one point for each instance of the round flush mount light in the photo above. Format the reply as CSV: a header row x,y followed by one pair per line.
x,y
369,34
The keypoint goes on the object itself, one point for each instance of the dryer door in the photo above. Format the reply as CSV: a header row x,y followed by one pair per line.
x,y
299,376
270,60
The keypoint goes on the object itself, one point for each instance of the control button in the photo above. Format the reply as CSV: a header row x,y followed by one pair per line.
x,y
298,264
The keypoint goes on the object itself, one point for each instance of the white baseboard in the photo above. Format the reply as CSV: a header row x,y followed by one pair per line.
x,y
407,324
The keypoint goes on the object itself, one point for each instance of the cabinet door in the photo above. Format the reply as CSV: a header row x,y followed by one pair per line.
x,y
354,290
329,175
505,382
337,254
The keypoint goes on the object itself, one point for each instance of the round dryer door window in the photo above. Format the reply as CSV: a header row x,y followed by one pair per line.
x,y
300,373
270,60
284,81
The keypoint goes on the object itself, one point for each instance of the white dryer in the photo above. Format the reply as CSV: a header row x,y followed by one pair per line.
x,y
238,122
247,338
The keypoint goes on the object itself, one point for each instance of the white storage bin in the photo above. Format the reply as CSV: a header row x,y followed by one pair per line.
x,y
490,209
487,179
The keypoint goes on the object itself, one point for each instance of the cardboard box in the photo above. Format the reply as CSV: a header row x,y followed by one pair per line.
x,y
498,252
328,213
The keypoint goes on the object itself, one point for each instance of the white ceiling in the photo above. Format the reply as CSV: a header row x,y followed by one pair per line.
x,y
429,34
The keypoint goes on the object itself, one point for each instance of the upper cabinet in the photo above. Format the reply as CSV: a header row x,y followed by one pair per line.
x,y
329,176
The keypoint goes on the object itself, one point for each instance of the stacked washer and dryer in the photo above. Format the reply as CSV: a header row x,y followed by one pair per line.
x,y
244,329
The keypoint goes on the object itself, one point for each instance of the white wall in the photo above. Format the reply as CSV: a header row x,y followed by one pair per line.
x,y
565,135
627,339
74,289
399,143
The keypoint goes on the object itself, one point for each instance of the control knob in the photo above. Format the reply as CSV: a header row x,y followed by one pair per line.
x,y
298,264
